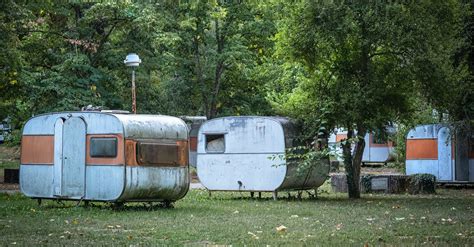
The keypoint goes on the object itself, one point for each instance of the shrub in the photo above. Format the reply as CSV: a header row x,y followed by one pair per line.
x,y
13,139
422,184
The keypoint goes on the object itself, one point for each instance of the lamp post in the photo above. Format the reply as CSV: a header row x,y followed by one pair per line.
x,y
132,60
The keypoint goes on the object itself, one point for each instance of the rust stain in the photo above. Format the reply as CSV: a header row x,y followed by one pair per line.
x,y
193,143
422,149
131,153
37,150
119,160
183,155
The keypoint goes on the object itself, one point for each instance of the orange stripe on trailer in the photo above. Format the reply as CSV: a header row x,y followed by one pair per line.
x,y
422,149
37,150
118,160
341,137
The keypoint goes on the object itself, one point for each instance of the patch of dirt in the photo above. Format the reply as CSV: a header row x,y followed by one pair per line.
x,y
380,170
9,153
9,187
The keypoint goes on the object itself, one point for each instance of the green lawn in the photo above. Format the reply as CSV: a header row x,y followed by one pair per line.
x,y
446,218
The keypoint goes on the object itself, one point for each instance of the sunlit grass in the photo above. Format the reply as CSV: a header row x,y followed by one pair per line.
x,y
234,218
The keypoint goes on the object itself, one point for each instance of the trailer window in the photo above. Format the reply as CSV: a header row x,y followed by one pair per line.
x,y
157,154
215,143
379,137
101,147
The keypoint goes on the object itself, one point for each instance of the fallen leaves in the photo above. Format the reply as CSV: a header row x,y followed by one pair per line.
x,y
281,229
254,236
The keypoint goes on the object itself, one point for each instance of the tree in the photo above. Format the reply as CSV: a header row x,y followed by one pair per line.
x,y
360,60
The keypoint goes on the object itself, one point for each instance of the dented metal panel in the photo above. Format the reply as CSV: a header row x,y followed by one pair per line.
x,y
155,183
153,127
253,158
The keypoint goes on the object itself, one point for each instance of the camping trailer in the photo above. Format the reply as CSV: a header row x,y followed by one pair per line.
x,y
194,123
97,156
431,149
247,154
377,149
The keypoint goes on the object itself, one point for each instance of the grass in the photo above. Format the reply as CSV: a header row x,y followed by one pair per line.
x,y
446,218
9,164
9,157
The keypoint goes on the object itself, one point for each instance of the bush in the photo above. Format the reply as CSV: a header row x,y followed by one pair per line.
x,y
422,184
366,183
13,139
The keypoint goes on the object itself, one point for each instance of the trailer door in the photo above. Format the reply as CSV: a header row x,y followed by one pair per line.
x,y
58,156
74,158
445,161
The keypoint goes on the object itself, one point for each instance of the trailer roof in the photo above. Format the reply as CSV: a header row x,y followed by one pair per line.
x,y
139,126
145,126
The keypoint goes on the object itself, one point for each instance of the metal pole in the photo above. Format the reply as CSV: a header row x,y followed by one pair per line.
x,y
134,96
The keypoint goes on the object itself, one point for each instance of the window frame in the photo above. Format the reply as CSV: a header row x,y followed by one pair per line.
x,y
214,134
101,156
138,151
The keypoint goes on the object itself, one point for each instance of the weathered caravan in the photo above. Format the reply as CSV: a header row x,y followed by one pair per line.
x,y
101,156
377,149
235,154
430,149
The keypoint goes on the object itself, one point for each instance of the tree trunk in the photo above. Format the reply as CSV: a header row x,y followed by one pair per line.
x,y
218,72
461,154
352,162
199,76
347,156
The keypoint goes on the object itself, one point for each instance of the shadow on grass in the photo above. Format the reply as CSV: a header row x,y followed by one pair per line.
x,y
338,198
131,206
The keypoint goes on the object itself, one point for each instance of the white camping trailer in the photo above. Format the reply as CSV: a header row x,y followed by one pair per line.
x,y
235,154
377,149
431,149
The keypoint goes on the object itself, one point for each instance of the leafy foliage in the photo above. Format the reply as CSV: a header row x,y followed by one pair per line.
x,y
422,183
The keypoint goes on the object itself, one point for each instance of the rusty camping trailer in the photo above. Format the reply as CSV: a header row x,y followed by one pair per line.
x,y
431,149
235,154
97,156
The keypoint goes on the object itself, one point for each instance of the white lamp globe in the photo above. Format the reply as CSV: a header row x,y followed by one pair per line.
x,y
132,60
